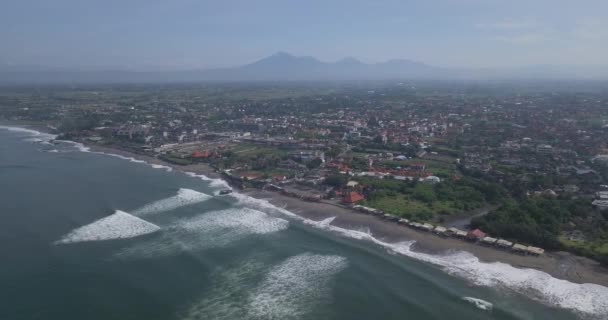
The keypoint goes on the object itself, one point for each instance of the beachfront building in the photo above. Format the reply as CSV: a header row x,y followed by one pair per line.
x,y
504,243
427,227
352,197
440,230
488,240
476,235
535,251
519,248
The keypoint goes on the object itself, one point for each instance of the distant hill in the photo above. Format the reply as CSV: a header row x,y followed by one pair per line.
x,y
283,66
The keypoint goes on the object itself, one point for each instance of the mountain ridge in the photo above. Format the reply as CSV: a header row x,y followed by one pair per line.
x,y
283,66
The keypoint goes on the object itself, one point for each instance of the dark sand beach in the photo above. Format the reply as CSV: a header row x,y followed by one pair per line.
x,y
561,265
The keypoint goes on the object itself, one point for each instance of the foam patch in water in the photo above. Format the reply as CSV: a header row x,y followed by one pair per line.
x,y
159,166
481,304
216,183
119,225
588,299
261,204
35,136
209,230
228,290
184,197
295,287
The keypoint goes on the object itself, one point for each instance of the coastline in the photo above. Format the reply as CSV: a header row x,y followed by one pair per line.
x,y
560,265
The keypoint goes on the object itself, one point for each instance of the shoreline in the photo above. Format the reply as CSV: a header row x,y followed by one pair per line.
x,y
560,265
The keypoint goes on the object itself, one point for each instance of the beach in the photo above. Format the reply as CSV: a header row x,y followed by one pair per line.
x,y
561,265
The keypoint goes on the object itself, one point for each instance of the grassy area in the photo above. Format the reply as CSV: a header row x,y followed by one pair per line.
x,y
596,247
438,168
405,206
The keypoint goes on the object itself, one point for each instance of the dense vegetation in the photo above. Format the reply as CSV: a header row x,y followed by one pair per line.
x,y
541,221
421,201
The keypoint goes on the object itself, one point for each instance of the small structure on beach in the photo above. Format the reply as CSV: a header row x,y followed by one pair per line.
x,y
352,197
504,243
535,251
488,240
440,230
519,248
427,227
476,235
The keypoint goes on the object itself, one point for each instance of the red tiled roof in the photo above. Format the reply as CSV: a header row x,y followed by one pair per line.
x,y
352,197
476,234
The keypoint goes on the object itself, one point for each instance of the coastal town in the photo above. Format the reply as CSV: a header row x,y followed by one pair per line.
x,y
515,167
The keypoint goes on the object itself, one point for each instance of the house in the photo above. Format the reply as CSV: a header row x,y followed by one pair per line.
x,y
601,204
488,240
200,155
352,197
504,243
440,230
476,235
431,179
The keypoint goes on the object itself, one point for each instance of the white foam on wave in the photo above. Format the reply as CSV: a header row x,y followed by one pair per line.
x,y
35,136
119,225
589,299
261,204
130,159
209,230
479,303
295,287
216,183
159,166
224,298
81,147
184,197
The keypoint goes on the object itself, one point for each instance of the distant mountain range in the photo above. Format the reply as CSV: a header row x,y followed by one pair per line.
x,y
286,67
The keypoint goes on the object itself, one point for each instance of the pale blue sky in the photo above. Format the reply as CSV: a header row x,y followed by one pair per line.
x,y
201,34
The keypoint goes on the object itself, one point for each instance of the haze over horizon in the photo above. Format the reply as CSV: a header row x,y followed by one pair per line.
x,y
178,35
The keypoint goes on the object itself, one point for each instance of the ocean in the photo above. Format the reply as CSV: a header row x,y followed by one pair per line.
x,y
85,235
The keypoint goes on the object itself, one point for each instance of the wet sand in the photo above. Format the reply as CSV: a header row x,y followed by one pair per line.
x,y
561,265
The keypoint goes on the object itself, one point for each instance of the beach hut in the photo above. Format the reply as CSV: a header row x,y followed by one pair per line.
x,y
461,234
519,248
391,217
440,230
475,235
452,231
535,251
427,227
504,243
488,240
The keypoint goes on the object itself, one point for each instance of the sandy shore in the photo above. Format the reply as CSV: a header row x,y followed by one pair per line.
x,y
561,265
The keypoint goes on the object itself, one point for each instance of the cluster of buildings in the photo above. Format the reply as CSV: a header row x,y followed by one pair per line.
x,y
475,235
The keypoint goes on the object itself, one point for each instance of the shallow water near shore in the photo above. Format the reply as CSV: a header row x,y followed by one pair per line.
x,y
89,236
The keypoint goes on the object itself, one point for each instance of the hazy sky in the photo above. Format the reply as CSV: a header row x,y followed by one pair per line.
x,y
198,33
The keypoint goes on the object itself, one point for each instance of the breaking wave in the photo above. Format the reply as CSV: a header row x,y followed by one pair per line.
x,y
119,225
589,299
260,204
228,291
184,197
209,230
33,135
481,304
216,183
295,286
